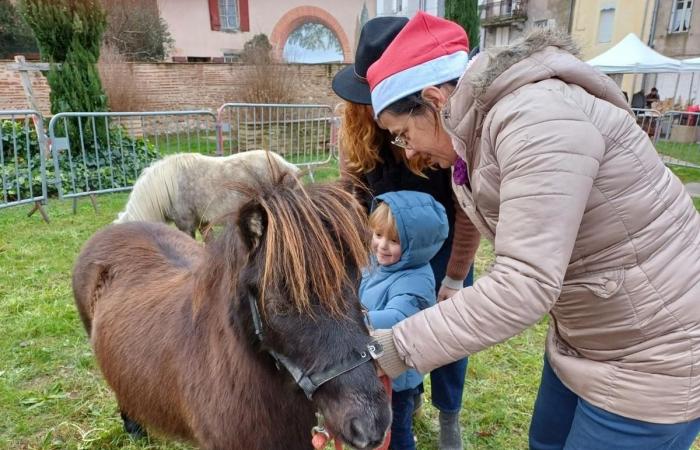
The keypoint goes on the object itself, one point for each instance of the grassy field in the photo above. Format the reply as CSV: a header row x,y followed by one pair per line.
x,y
682,151
51,392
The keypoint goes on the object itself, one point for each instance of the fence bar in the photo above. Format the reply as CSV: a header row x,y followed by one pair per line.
x,y
110,158
23,160
677,138
300,133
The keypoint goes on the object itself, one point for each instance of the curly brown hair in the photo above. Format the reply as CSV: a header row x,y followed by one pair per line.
x,y
361,138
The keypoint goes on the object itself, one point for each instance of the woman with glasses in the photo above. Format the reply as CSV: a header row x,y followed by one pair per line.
x,y
588,226
370,157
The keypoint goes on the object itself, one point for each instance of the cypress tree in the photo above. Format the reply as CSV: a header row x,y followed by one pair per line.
x,y
69,32
465,13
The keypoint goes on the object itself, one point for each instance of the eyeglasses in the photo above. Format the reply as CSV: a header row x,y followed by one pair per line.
x,y
399,140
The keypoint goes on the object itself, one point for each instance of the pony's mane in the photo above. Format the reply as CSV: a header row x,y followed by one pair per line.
x,y
312,237
155,188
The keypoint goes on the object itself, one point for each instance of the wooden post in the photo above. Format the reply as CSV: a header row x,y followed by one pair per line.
x,y
24,68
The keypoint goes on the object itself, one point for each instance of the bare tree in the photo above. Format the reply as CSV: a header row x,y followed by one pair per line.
x,y
135,28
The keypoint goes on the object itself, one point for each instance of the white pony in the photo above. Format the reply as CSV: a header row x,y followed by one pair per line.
x,y
192,190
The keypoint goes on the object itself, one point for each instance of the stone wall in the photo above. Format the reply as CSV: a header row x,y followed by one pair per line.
x,y
180,86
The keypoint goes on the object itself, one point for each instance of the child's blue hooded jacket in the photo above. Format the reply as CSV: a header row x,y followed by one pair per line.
x,y
392,293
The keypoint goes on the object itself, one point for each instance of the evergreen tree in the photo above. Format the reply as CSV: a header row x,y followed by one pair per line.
x,y
69,32
15,36
465,13
76,86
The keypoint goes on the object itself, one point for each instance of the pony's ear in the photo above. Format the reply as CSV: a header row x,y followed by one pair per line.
x,y
252,222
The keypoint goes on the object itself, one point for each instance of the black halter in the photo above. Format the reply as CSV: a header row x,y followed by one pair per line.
x,y
307,380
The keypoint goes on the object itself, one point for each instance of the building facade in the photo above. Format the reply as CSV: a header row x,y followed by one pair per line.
x,y
676,33
671,27
598,25
407,8
216,30
505,21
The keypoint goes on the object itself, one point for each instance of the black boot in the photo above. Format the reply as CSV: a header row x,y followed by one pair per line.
x,y
450,432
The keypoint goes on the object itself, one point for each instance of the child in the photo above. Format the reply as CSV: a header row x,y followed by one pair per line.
x,y
408,230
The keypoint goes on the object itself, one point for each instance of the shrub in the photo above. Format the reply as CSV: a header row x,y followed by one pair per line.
x,y
118,80
97,165
267,80
136,30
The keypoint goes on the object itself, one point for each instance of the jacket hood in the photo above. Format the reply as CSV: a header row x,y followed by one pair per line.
x,y
422,226
541,55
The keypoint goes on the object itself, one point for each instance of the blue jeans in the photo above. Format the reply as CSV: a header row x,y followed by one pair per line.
x,y
563,420
402,422
447,382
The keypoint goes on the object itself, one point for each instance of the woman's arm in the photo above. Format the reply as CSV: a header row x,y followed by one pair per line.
x,y
465,243
548,154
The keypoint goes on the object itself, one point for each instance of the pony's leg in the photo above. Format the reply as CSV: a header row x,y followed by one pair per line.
x,y
132,427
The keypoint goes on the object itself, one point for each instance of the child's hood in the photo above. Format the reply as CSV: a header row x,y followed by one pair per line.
x,y
422,226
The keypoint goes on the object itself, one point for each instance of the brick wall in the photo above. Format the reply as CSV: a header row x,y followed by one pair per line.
x,y
12,94
173,86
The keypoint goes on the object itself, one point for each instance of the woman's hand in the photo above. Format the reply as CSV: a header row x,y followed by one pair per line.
x,y
445,292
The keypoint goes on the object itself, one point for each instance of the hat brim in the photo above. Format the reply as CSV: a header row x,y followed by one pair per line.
x,y
351,88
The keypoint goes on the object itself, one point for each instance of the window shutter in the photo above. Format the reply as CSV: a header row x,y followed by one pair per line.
x,y
244,19
214,18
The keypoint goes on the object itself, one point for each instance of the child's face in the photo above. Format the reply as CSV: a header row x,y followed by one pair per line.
x,y
387,251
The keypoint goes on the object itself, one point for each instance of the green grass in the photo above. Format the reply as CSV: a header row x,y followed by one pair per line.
x,y
53,397
686,174
684,152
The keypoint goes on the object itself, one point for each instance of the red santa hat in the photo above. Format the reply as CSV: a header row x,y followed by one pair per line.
x,y
427,52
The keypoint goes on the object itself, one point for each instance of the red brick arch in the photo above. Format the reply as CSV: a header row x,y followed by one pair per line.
x,y
296,17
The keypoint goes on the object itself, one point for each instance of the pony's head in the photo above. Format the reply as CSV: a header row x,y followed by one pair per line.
x,y
293,259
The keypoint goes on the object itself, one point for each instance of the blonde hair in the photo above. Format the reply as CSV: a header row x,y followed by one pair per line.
x,y
382,221
361,138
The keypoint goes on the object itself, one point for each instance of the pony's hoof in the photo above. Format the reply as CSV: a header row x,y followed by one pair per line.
x,y
134,430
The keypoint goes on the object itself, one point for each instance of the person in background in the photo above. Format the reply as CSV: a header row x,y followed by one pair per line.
x,y
368,156
652,97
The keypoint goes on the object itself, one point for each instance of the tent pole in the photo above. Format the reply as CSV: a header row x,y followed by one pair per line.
x,y
690,87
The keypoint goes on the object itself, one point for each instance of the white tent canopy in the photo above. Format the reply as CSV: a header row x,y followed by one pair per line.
x,y
631,55
691,65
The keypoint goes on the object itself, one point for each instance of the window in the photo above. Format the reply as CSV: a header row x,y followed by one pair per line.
x,y
680,16
232,57
546,23
399,6
502,36
312,43
228,13
605,26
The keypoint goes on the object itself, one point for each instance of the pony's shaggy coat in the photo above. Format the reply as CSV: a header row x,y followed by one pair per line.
x,y
170,323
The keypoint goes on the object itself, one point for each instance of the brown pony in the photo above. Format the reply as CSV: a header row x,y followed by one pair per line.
x,y
177,334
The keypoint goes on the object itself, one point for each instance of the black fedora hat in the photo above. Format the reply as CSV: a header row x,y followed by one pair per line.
x,y
350,83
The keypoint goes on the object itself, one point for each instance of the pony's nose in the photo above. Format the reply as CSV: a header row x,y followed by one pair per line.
x,y
358,436
361,438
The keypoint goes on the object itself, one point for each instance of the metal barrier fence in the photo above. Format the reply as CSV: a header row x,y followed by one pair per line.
x,y
96,153
305,135
648,120
677,138
22,160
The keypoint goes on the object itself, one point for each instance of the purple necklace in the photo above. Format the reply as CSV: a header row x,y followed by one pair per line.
x,y
459,172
